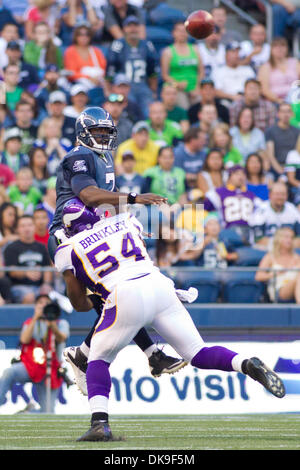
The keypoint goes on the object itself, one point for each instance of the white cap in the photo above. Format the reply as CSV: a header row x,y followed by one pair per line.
x,y
57,96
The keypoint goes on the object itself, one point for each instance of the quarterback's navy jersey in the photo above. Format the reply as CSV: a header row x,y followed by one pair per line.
x,y
137,63
81,167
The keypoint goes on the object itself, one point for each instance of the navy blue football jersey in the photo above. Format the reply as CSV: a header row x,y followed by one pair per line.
x,y
137,63
81,167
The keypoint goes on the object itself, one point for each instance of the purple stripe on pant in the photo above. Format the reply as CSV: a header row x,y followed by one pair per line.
x,y
215,357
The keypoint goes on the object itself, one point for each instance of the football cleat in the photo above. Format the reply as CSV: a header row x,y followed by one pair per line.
x,y
78,361
99,431
258,371
160,363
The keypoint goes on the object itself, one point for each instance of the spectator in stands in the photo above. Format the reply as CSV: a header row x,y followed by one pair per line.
x,y
247,138
48,202
255,51
29,78
230,78
49,84
137,58
129,180
282,266
46,11
121,86
114,104
38,113
8,225
86,62
171,248
6,17
222,139
77,12
115,13
234,202
7,176
17,9
219,15
11,79
207,93
50,138
12,155
169,97
41,224
79,101
285,13
208,119
214,253
165,178
41,50
273,214
190,155
162,130
257,181
144,150
281,138
24,121
212,52
279,73
35,336
55,107
23,194
190,218
181,65
9,32
264,111
26,252
212,175
38,163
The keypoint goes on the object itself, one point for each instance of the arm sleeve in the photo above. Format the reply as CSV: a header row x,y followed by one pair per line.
x,y
63,259
79,170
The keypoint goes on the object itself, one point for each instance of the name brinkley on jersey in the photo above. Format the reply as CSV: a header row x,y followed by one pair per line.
x,y
103,233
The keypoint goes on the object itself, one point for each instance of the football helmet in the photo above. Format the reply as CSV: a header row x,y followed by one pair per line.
x,y
77,217
105,136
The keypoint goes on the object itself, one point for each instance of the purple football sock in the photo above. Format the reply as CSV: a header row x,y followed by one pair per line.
x,y
215,357
98,378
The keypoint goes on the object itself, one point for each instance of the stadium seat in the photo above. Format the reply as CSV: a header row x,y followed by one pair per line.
x,y
165,16
206,282
249,256
241,287
159,36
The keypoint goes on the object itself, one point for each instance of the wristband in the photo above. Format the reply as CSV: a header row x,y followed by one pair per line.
x,y
131,198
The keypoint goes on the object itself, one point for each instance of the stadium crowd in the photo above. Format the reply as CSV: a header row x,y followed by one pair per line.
x,y
213,122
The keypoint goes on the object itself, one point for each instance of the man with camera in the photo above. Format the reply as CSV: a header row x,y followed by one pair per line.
x,y
42,339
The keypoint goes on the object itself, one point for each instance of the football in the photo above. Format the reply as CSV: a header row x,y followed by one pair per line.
x,y
199,24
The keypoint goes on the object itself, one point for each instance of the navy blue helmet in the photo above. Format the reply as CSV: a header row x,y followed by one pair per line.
x,y
96,130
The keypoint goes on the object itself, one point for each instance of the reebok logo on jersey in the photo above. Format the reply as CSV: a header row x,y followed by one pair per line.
x,y
79,165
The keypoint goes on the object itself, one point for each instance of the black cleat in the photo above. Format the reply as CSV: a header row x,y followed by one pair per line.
x,y
258,371
160,363
99,431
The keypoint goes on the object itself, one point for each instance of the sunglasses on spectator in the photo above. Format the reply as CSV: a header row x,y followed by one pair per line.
x,y
114,98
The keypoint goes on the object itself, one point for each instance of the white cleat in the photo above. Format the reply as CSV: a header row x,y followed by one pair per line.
x,y
78,361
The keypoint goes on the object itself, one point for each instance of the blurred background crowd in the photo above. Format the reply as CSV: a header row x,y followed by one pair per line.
x,y
214,123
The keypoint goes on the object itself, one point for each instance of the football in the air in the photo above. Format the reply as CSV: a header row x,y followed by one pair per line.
x,y
199,24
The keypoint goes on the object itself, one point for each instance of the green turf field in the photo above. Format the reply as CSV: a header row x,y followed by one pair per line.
x,y
224,432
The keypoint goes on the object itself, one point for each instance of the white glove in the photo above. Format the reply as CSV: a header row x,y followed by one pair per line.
x,y
187,295
60,235
62,301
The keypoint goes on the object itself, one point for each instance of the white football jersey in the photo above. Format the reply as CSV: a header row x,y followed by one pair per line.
x,y
112,251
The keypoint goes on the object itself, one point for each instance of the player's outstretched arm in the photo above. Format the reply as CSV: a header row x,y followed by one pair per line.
x,y
93,196
76,292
